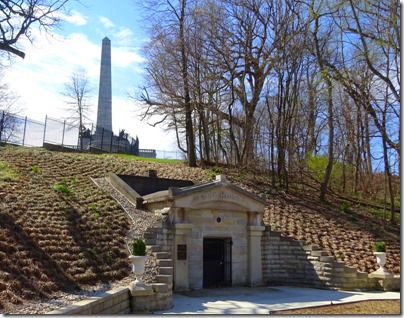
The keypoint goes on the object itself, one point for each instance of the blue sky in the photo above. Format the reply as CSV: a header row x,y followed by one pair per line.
x,y
39,78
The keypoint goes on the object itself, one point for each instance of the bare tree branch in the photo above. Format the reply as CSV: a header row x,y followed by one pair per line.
x,y
18,17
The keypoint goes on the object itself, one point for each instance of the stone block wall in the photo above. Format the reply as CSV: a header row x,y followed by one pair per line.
x,y
159,298
120,301
286,261
115,301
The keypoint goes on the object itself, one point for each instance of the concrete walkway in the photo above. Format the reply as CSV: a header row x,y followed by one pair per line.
x,y
263,300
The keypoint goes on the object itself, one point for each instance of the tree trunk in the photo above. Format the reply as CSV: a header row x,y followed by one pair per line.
x,y
328,170
189,130
325,75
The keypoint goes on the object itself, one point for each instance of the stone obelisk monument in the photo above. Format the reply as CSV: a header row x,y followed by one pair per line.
x,y
104,114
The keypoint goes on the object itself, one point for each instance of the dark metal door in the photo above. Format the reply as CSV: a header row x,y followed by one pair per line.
x,y
216,262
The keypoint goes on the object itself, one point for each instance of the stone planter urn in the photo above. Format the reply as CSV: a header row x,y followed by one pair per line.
x,y
138,259
138,265
380,253
380,258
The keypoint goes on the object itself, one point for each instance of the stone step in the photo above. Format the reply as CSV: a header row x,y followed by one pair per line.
x,y
319,253
150,241
165,262
327,259
149,235
160,287
161,255
157,224
165,279
156,248
166,271
154,230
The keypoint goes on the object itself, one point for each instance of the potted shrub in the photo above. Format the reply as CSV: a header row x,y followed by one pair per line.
x,y
139,247
380,253
138,257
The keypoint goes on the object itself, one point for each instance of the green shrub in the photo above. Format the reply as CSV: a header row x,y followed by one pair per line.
x,y
380,247
344,207
139,247
62,188
36,169
318,165
93,207
215,171
96,215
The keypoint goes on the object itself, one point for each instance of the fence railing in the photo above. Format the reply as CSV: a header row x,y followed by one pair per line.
x,y
23,131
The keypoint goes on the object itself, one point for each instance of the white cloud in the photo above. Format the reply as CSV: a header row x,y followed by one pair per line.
x,y
125,116
125,56
75,18
124,36
107,23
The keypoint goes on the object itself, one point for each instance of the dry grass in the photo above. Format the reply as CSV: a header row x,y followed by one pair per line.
x,y
371,307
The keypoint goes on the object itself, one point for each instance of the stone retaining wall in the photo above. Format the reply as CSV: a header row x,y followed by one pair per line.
x,y
160,298
114,301
286,261
121,301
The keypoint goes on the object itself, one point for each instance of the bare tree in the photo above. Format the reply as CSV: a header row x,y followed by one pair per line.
x,y
8,110
271,82
78,92
322,35
245,45
168,92
18,17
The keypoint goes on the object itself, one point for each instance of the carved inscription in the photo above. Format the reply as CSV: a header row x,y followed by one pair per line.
x,y
216,195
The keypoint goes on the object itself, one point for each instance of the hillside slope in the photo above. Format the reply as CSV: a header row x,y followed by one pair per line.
x,y
59,231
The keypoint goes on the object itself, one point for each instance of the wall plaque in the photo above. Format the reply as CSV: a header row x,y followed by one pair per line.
x,y
181,252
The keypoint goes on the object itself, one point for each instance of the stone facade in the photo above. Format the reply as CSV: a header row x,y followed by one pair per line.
x,y
220,211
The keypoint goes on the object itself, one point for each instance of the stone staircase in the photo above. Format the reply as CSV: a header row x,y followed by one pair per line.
x,y
156,242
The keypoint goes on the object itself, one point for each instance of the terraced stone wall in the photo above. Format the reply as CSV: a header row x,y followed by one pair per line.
x,y
286,261
120,301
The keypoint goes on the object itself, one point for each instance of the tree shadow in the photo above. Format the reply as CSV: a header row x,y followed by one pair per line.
x,y
22,279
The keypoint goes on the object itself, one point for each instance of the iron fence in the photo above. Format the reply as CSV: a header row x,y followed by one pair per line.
x,y
53,133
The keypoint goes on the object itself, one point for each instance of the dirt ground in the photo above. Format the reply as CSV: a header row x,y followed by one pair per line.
x,y
371,307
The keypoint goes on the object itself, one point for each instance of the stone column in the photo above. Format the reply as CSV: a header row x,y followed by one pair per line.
x,y
181,235
254,274
104,112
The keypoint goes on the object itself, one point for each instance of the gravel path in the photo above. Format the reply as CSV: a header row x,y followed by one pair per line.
x,y
141,220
